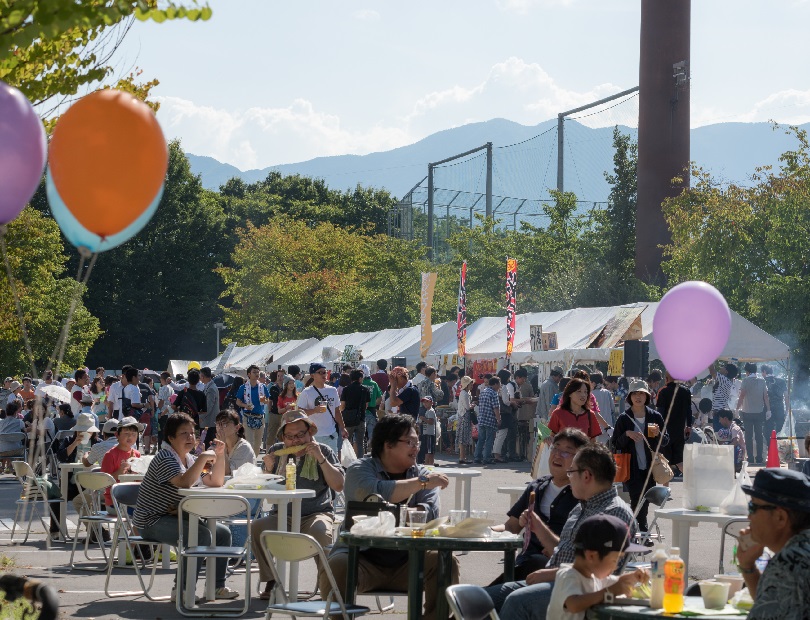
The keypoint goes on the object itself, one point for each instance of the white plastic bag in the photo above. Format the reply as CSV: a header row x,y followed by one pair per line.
x,y
708,474
736,503
139,465
347,455
246,476
381,525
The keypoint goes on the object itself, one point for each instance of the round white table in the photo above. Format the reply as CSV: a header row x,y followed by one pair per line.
x,y
463,484
683,520
514,492
281,498
131,477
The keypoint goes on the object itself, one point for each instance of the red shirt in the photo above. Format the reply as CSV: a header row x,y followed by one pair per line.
x,y
586,422
110,464
283,401
381,379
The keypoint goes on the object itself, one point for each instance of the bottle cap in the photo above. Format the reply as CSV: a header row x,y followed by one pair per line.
x,y
675,551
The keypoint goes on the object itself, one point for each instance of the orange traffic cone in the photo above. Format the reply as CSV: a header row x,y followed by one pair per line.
x,y
773,452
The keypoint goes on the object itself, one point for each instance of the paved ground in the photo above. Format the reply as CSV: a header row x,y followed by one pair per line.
x,y
82,593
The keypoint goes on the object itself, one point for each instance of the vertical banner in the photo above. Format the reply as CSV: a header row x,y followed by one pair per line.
x,y
511,302
426,305
461,315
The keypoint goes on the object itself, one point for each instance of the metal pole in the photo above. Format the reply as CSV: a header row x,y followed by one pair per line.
x,y
447,220
560,147
430,213
489,179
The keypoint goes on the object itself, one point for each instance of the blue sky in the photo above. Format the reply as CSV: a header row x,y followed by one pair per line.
x,y
266,82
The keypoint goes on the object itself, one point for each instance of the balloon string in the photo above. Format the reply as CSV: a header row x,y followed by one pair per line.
x,y
20,316
61,344
641,499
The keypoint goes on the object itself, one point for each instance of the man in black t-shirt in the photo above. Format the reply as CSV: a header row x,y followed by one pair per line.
x,y
679,426
354,399
777,398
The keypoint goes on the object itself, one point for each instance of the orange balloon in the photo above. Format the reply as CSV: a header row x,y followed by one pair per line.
x,y
108,159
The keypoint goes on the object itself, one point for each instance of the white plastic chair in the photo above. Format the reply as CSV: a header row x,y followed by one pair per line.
x,y
32,497
469,602
296,547
124,496
219,508
94,515
731,528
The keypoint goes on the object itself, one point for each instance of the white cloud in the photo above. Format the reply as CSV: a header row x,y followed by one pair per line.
x,y
786,106
522,7
257,137
367,15
260,137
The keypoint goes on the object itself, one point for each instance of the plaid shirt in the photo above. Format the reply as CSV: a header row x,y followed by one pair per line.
x,y
607,502
488,402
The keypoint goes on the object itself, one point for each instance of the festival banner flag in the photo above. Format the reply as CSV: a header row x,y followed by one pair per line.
x,y
461,318
511,302
428,286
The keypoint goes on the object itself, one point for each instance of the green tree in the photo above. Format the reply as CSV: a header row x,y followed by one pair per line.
x,y
748,242
53,48
37,260
156,295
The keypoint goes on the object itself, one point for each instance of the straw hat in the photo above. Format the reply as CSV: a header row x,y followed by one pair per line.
x,y
465,381
296,415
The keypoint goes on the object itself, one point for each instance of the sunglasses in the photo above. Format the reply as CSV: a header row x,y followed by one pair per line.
x,y
752,507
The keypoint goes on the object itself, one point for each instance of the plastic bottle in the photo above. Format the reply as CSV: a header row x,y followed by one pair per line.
x,y
290,472
659,557
673,582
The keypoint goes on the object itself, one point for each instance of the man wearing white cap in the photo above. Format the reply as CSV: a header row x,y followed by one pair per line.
x,y
97,452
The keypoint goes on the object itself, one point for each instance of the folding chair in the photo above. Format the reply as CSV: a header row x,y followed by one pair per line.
x,y
124,496
32,496
94,514
20,438
731,528
470,603
296,547
219,508
656,496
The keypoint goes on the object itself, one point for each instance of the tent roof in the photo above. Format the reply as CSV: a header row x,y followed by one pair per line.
x,y
259,354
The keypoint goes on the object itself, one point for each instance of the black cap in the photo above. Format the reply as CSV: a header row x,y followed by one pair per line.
x,y
313,368
605,533
782,487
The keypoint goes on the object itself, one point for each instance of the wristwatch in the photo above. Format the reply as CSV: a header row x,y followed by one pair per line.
x,y
424,479
608,598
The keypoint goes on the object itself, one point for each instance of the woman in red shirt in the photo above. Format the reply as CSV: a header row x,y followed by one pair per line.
x,y
288,398
574,410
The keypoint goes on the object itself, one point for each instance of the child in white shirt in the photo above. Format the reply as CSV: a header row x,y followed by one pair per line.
x,y
599,544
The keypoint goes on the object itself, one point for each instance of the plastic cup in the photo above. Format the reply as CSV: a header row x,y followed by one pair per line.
x,y
417,520
651,430
714,593
457,516
479,514
735,583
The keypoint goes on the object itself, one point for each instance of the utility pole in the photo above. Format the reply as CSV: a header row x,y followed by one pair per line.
x,y
218,327
489,179
430,212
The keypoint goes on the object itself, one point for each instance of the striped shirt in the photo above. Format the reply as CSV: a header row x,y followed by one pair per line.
x,y
607,502
721,392
488,402
158,497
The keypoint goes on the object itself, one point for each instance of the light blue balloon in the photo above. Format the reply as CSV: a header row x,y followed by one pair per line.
x,y
79,236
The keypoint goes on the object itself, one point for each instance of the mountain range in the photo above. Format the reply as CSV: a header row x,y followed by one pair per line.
x,y
525,159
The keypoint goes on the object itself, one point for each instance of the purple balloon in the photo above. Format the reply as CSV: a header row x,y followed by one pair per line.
x,y
23,150
691,328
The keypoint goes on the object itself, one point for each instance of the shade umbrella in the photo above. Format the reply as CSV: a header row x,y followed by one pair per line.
x,y
55,392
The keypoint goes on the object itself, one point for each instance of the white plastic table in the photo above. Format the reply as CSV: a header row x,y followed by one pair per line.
x,y
683,520
514,493
281,498
463,484
131,477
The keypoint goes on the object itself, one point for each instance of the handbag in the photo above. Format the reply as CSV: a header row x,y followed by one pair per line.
x,y
622,466
661,470
372,505
473,416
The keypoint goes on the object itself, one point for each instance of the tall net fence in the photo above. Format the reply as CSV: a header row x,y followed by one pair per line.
x,y
523,173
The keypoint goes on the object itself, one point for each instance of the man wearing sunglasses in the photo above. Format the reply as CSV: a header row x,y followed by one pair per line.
x,y
779,511
317,468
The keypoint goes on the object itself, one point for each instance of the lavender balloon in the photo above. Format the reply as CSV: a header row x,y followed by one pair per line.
x,y
691,327
23,150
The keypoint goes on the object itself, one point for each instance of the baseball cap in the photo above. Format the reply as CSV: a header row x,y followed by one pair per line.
x,y
605,533
130,421
428,399
557,370
109,426
313,368
15,385
366,370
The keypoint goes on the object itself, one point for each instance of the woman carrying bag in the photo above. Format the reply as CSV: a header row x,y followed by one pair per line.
x,y
464,436
637,430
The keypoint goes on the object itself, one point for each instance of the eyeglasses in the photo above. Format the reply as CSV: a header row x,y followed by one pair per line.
x,y
300,435
320,372
752,507
568,472
563,453
411,443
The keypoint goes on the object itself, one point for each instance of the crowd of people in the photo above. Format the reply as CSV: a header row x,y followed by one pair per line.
x,y
395,423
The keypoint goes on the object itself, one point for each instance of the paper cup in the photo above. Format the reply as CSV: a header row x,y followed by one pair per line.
x,y
714,593
735,583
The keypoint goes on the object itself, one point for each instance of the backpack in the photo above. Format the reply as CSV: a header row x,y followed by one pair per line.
x,y
187,405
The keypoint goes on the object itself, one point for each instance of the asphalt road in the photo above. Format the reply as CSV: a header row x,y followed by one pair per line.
x,y
82,593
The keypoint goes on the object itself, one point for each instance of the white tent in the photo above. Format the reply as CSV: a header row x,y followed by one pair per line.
x,y
265,355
